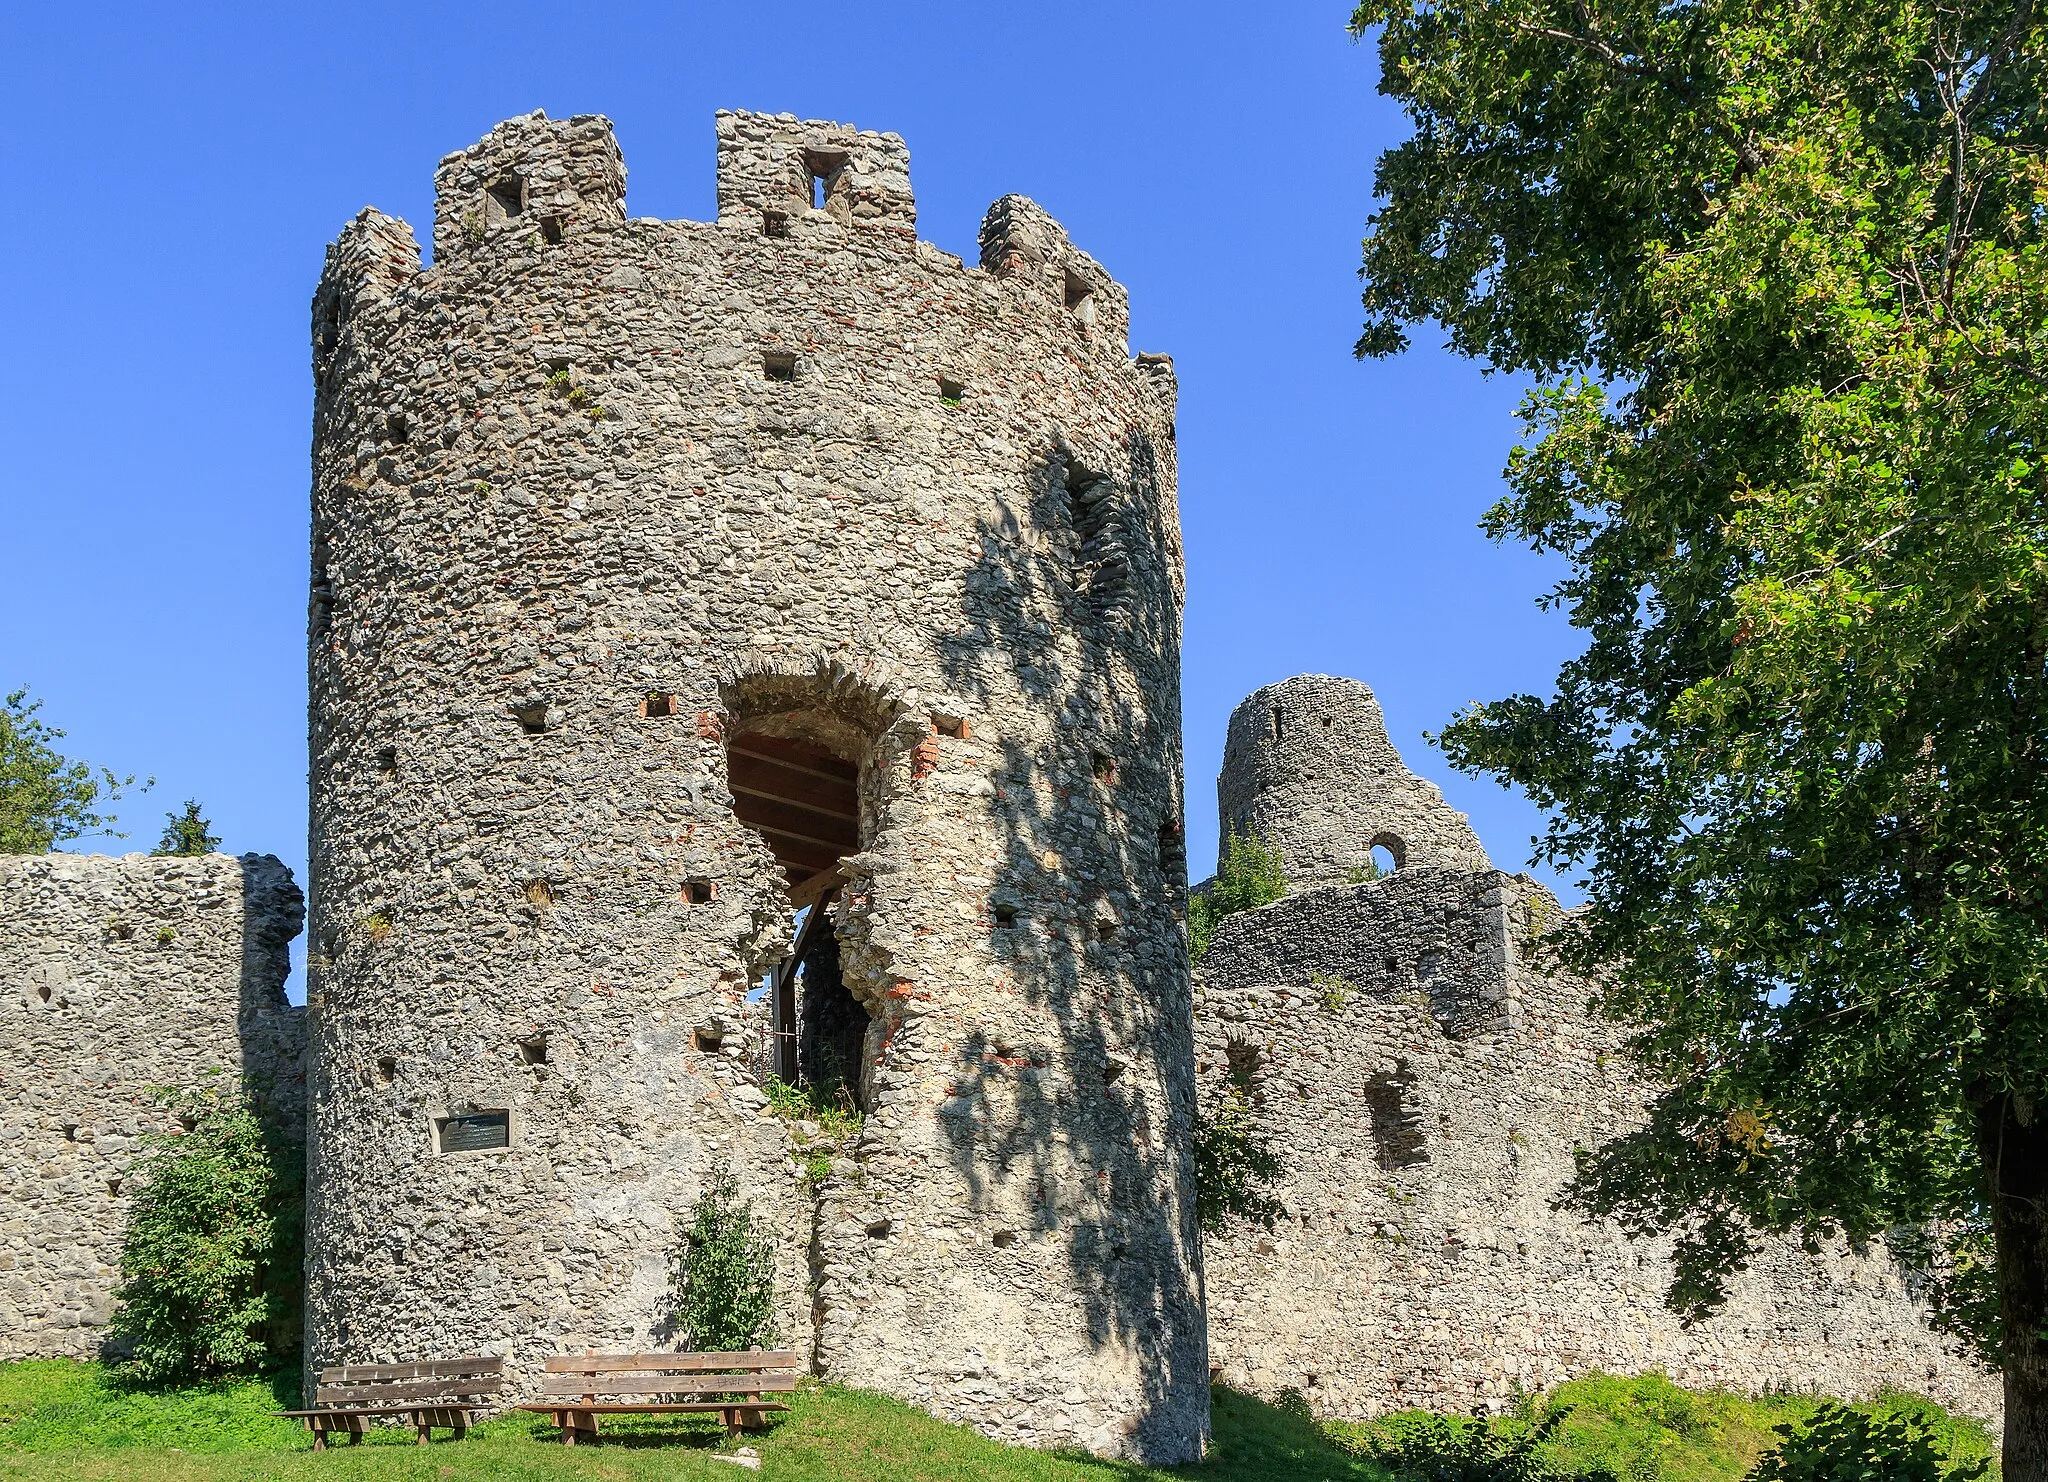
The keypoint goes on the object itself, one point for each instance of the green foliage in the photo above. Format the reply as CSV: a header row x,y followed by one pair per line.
x,y
1333,991
62,1421
830,1106
1780,274
1235,1165
186,833
1420,1447
46,798
1843,1445
65,1406
210,1260
1250,876
1644,1428
69,1424
725,1274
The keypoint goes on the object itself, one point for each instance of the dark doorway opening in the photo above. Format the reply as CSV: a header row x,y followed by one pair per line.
x,y
803,799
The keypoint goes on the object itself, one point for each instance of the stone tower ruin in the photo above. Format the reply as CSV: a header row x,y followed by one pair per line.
x,y
669,578
1425,1070
1308,769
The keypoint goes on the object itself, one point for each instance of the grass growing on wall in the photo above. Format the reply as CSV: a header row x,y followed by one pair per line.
x,y
72,1421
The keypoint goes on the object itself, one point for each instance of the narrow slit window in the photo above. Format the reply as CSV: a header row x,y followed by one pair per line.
x,y
1279,722
397,429
551,230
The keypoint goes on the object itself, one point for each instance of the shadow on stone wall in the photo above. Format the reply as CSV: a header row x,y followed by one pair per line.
x,y
1099,884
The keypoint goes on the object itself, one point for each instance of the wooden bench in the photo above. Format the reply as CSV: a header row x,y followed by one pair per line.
x,y
443,1392
579,1388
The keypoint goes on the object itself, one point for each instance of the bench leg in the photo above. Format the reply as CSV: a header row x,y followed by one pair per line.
x,y
319,1434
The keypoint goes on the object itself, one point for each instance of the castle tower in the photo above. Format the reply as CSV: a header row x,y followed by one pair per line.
x,y
1308,768
669,577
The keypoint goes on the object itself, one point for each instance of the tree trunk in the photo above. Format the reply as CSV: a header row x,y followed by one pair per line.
x,y
2015,1140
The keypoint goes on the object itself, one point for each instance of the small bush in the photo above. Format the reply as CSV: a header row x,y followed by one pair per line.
x,y
1418,1447
725,1276
1250,876
1844,1445
186,833
210,1261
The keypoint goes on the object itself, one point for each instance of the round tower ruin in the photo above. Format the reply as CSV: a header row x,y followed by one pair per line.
x,y
1308,768
669,579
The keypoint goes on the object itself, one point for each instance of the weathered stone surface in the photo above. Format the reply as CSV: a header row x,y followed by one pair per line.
x,y
1425,1072
595,495
1308,768
118,976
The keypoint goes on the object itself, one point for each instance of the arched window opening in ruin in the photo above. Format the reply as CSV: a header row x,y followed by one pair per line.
x,y
803,798
1388,854
1245,1063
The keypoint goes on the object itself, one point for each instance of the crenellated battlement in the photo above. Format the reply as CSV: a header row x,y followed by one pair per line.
x,y
775,169
531,174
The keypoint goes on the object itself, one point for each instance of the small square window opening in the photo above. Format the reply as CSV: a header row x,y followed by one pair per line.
x,y
778,365
506,199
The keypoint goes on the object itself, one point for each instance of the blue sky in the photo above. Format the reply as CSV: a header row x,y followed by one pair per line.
x,y
176,172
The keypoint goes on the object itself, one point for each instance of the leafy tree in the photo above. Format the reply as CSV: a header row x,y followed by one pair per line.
x,y
210,1260
725,1276
1777,270
186,833
46,798
1250,876
1843,1443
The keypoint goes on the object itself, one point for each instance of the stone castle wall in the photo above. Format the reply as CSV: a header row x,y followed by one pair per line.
x,y
1308,768
594,496
119,976
1425,1074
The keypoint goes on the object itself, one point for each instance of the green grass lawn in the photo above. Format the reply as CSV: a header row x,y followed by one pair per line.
x,y
64,1420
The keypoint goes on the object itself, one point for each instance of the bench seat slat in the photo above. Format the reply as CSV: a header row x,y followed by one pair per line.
x,y
611,1363
411,1389
600,1407
455,1368
347,1410
571,1385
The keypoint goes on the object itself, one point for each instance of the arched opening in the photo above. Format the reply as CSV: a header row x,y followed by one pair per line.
x,y
795,783
1388,855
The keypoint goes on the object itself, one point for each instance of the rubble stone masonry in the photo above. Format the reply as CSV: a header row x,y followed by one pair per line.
x,y
1426,1072
119,976
594,496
